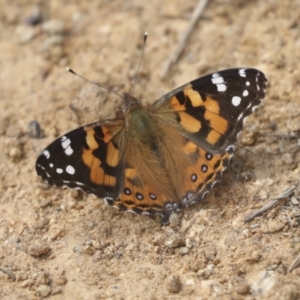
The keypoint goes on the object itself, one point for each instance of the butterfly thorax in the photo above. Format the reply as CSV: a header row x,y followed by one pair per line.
x,y
138,119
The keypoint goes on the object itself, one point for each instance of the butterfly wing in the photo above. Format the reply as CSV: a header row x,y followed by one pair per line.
x,y
171,173
89,158
201,122
211,110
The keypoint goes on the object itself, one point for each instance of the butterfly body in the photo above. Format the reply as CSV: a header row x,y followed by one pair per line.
x,y
158,159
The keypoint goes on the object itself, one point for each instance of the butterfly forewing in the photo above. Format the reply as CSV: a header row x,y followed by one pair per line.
x,y
211,110
85,158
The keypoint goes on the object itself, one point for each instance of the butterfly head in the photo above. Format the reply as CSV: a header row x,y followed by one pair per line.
x,y
131,103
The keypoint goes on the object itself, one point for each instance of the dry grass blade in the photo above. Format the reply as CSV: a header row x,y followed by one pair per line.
x,y
287,193
182,42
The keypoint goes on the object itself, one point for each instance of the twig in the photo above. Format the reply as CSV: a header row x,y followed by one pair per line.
x,y
287,193
182,42
295,264
9,273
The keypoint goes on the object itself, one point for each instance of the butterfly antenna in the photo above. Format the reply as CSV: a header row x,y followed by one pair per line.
x,y
138,68
93,82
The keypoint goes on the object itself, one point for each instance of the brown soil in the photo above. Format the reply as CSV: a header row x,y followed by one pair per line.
x,y
55,243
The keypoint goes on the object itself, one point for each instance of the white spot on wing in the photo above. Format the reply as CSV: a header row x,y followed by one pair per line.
x,y
59,170
242,72
70,170
69,151
46,153
65,143
216,80
247,83
51,165
236,100
219,81
221,87
245,93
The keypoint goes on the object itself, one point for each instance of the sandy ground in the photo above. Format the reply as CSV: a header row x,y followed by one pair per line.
x,y
61,244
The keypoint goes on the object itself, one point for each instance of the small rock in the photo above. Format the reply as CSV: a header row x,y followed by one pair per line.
x,y
294,200
42,223
204,273
38,249
174,241
53,27
26,283
89,250
243,288
174,220
35,17
78,249
43,278
25,33
57,233
15,153
174,285
253,257
246,176
264,282
44,290
183,250
61,280
287,158
249,139
34,130
56,290
77,194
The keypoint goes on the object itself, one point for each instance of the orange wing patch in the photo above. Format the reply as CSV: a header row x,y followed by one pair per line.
x,y
97,172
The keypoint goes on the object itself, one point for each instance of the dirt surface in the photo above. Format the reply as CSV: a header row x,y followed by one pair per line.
x,y
61,244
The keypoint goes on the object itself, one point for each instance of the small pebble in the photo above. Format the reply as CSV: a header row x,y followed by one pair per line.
x,y
43,278
15,154
183,250
61,280
242,288
174,220
26,283
174,241
34,130
56,290
77,194
38,249
78,249
174,285
42,223
25,33
287,158
44,290
53,27
89,250
294,200
35,17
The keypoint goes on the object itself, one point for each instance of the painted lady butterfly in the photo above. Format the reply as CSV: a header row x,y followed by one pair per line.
x,y
156,160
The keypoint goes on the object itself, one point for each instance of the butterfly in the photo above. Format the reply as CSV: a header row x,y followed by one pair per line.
x,y
158,159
